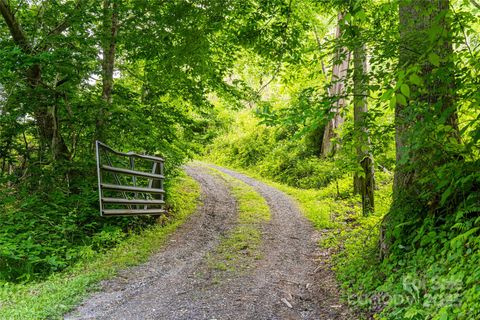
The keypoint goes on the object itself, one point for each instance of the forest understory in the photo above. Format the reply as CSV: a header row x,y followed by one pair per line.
x,y
363,115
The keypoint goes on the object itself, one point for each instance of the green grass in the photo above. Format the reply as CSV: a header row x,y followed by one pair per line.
x,y
330,206
312,203
241,245
327,207
57,295
351,236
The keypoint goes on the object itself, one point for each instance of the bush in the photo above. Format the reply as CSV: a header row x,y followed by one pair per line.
x,y
272,152
430,274
49,228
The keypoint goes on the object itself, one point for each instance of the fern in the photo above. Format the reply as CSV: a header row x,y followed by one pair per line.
x,y
462,238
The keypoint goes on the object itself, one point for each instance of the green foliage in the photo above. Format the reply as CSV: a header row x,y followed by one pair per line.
x,y
170,59
180,71
274,153
434,277
54,228
53,297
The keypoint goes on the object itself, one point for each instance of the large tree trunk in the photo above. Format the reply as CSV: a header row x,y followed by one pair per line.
x,y
425,39
341,61
45,112
417,22
365,184
109,47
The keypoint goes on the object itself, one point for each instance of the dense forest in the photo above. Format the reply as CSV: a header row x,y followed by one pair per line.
x,y
375,102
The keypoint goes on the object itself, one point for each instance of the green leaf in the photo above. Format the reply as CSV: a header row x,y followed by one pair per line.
x,y
411,313
462,238
401,99
415,79
446,194
434,59
393,102
387,95
405,89
443,314
360,15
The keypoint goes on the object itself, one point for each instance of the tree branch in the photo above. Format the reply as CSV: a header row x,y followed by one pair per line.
x,y
475,3
15,30
62,26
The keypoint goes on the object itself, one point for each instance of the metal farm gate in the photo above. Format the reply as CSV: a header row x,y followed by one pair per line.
x,y
129,183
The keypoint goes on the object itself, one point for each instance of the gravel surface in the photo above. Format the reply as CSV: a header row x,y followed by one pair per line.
x,y
290,282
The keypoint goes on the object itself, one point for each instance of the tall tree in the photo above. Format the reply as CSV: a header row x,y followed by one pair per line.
x,y
336,92
110,29
424,27
364,184
424,104
46,106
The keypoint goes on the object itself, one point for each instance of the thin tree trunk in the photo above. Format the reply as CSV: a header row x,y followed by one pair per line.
x,y
45,114
365,184
109,47
337,90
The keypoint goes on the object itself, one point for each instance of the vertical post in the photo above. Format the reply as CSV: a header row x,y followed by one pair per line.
x,y
132,167
99,175
134,178
161,180
151,183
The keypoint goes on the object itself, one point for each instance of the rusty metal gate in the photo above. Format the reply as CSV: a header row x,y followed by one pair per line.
x,y
129,183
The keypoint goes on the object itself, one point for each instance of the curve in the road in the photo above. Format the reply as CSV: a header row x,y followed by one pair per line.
x,y
174,283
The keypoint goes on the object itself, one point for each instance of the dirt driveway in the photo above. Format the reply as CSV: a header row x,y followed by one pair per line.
x,y
289,282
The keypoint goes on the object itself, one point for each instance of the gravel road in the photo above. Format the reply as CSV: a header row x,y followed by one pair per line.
x,y
289,282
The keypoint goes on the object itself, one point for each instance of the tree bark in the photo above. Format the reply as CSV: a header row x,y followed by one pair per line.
x,y
417,21
364,184
109,47
45,111
337,91
426,46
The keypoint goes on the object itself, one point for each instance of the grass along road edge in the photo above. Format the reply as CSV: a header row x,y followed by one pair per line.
x,y
349,239
57,295
240,247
